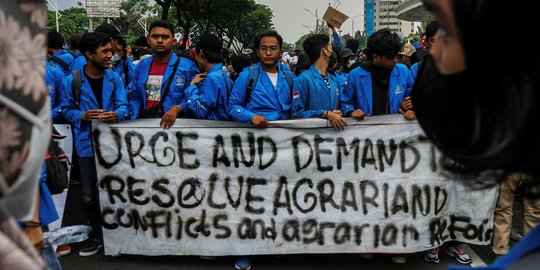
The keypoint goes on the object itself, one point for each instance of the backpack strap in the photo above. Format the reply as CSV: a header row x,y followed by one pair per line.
x,y
60,62
252,81
169,82
76,85
289,78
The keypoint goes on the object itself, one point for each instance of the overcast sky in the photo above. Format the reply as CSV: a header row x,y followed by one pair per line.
x,y
290,16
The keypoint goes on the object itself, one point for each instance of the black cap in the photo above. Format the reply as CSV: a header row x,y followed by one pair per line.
x,y
210,43
109,30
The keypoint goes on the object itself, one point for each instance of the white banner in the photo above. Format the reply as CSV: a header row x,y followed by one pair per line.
x,y
223,188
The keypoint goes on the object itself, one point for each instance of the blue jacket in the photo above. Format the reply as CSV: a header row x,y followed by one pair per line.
x,y
78,62
267,101
337,40
209,99
66,57
358,92
53,81
131,68
47,210
114,98
414,70
184,75
311,96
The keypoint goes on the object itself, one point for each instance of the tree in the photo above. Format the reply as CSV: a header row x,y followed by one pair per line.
x,y
235,21
73,21
130,13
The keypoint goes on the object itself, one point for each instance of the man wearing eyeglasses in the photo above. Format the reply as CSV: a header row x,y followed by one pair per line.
x,y
379,86
267,96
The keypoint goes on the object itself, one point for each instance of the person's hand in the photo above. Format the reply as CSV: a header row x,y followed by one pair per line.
x,y
332,25
259,121
35,235
170,116
410,115
108,117
406,104
336,120
91,114
198,78
338,112
129,51
358,114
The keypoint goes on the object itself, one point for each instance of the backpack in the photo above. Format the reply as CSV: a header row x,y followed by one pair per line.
x,y
60,62
56,164
253,77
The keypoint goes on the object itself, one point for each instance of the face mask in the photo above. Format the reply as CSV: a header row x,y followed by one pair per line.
x,y
437,100
351,62
116,57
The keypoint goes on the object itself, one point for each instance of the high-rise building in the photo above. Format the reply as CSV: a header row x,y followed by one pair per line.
x,y
380,14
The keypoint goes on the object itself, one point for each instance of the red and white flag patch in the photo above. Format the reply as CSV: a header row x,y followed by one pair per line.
x,y
295,95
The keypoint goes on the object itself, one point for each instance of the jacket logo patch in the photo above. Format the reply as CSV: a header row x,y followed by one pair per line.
x,y
399,89
179,81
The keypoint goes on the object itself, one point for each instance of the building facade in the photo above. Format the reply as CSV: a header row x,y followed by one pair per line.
x,y
380,14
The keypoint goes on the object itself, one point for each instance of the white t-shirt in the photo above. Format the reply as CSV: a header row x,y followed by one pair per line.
x,y
273,78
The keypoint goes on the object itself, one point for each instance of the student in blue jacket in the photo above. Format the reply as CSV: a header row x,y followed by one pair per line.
x,y
316,91
59,56
270,97
102,97
158,90
53,82
208,100
379,86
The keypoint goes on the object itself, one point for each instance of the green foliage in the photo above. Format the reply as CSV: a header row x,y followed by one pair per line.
x,y
235,21
288,47
72,21
130,13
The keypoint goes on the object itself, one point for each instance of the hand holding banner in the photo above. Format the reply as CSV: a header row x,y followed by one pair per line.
x,y
334,17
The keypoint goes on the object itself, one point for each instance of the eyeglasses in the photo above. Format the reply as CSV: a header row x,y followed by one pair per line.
x,y
271,49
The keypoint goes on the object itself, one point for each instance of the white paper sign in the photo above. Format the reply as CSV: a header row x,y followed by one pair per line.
x,y
223,188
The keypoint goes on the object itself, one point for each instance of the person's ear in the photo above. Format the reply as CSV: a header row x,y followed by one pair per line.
x,y
89,56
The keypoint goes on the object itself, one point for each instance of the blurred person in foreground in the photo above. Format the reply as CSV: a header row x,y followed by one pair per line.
x,y
481,111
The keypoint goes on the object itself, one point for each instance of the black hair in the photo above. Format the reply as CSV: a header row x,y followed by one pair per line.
x,y
122,42
91,41
337,50
431,29
314,44
383,42
142,41
54,40
162,23
74,42
353,44
303,63
270,33
414,58
211,46
240,61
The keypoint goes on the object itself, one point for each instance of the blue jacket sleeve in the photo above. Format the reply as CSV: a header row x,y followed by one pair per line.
x,y
202,98
121,107
410,83
238,98
57,108
348,96
134,99
337,40
69,110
